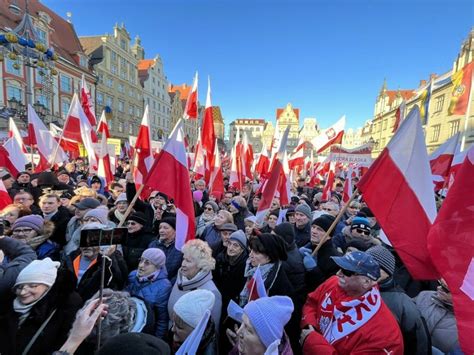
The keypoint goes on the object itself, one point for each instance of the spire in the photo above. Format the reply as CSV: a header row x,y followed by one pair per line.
x,y
384,86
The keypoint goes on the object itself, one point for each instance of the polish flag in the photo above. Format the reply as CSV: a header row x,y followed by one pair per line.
x,y
6,162
208,137
175,183
15,148
441,159
275,141
78,128
5,198
103,127
144,154
46,144
235,178
191,108
451,245
256,286
398,189
277,181
399,115
330,136
216,181
347,189
326,196
455,166
297,156
104,169
263,162
86,102
247,157
199,164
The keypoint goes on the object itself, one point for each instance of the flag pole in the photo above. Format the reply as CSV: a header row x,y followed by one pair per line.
x,y
466,116
32,159
334,224
130,206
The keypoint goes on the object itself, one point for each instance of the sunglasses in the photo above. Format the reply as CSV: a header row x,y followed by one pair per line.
x,y
362,231
348,273
208,209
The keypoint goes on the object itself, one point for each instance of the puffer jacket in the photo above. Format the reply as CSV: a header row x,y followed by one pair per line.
x,y
174,258
156,293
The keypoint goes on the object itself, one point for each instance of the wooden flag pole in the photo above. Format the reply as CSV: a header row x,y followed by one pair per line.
x,y
334,224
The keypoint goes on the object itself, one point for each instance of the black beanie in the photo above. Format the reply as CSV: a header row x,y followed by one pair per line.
x,y
134,344
367,212
274,246
138,217
325,221
169,220
286,231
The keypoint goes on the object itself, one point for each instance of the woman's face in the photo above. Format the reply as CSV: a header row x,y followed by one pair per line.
x,y
225,235
208,210
316,234
24,234
145,267
352,210
180,329
189,267
12,215
167,233
122,206
257,258
248,342
28,293
291,218
272,221
232,208
249,228
220,219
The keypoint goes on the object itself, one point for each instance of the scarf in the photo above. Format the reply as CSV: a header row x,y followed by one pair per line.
x,y
249,272
119,215
184,284
25,309
35,242
339,319
149,278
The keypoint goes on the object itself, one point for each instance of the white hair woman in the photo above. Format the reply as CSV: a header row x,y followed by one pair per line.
x,y
196,273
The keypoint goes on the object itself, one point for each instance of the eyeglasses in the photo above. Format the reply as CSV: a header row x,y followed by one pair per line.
x,y
208,209
22,231
362,231
348,273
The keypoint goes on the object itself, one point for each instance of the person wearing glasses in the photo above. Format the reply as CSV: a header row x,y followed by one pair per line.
x,y
139,238
346,314
360,231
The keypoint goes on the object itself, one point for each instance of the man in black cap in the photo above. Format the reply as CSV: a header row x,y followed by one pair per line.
x,y
139,238
22,182
80,209
8,181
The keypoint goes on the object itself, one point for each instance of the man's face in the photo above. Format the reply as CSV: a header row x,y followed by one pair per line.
x,y
317,233
117,190
8,183
227,198
23,179
360,233
90,252
256,202
301,219
63,178
95,186
24,199
200,186
80,213
353,285
330,208
49,205
300,183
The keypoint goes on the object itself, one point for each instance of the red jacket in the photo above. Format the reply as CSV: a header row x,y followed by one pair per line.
x,y
379,335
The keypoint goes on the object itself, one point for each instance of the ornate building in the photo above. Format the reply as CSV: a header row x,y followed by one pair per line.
x,y
309,130
353,138
254,128
289,116
115,62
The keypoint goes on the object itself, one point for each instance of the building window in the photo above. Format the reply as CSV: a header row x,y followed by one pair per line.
x,y
65,103
453,127
130,129
131,93
83,61
123,75
120,88
130,110
109,101
10,67
123,44
100,98
435,134
14,92
101,78
121,105
110,124
42,36
137,111
66,83
109,82
113,56
42,99
120,127
439,103
113,69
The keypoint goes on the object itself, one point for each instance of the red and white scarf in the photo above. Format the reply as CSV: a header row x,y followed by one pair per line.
x,y
341,319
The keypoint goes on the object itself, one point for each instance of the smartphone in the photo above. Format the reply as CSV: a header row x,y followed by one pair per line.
x,y
103,237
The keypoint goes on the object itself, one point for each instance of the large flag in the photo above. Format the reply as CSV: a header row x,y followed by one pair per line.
x,y
398,189
399,115
103,127
15,148
191,108
14,133
297,158
48,148
441,159
347,189
462,85
246,157
144,153
169,174
86,102
6,162
199,164
208,137
327,190
235,177
263,162
216,181
5,198
425,102
104,169
451,245
277,181
330,136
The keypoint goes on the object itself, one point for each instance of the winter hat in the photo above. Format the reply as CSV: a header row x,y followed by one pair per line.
x,y
231,227
239,237
121,198
134,344
101,213
286,231
5,175
274,245
290,210
304,209
39,272
252,219
197,195
213,205
96,179
169,220
138,217
23,173
384,257
367,212
192,306
360,263
155,256
87,203
32,221
269,316
325,222
361,222
275,213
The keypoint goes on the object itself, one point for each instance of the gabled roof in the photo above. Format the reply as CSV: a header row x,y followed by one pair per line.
x,y
406,95
145,64
295,110
90,44
183,89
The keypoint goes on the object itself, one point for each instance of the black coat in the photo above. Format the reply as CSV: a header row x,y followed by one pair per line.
x,y
60,220
134,247
295,270
303,236
326,266
62,298
140,206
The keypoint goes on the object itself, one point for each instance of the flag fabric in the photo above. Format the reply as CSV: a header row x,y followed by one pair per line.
x,y
199,164
169,174
441,159
462,85
247,157
398,190
425,102
216,181
297,158
46,145
263,163
208,136
458,159
275,141
191,108
256,286
104,169
327,189
235,177
399,115
5,198
103,127
86,102
144,154
451,245
6,162
15,148
13,132
277,181
193,340
330,136
347,188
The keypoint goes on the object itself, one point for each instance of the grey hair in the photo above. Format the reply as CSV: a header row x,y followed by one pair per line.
x,y
201,253
120,316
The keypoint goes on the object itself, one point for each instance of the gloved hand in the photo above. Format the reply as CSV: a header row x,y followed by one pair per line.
x,y
303,251
309,261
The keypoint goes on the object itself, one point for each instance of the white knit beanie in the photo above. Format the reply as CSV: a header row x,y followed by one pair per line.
x,y
39,272
192,306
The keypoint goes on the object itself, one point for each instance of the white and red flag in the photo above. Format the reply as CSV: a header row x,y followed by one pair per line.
x,y
330,136
46,145
296,158
15,147
199,164
144,154
247,157
331,175
277,182
235,177
169,174
263,163
208,136
87,103
455,166
216,181
104,169
256,286
451,245
398,189
441,159
191,108
13,132
103,127
347,189
5,198
399,115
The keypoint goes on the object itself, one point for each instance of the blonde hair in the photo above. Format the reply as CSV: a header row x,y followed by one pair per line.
x,y
241,201
229,217
201,253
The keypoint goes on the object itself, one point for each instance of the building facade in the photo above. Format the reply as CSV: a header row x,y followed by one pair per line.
x,y
116,65
252,126
178,96
353,138
267,135
289,116
309,130
155,95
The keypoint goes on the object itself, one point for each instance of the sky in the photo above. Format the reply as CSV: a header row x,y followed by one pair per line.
x,y
326,57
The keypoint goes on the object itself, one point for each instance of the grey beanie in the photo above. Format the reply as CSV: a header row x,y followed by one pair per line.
x,y
213,205
304,209
239,237
384,257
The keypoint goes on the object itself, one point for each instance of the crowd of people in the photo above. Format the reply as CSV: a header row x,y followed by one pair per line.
x,y
327,289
